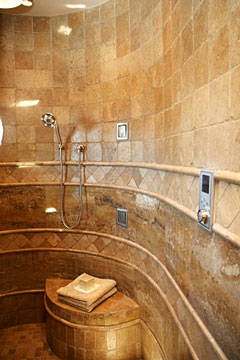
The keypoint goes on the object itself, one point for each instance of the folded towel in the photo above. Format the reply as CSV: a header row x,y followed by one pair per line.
x,y
78,305
85,299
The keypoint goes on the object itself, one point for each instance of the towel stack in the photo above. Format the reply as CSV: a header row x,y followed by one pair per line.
x,y
86,292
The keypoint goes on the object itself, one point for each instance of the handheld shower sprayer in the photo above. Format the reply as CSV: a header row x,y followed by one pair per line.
x,y
49,120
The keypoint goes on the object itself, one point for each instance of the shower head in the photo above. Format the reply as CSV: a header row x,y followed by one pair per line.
x,y
49,120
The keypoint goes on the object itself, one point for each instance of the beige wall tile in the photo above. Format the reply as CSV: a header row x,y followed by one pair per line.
x,y
122,46
77,38
59,60
42,41
41,24
59,41
94,113
24,79
23,60
167,65
135,38
235,93
93,74
157,18
94,94
23,23
201,107
218,136
123,66
26,152
159,125
7,60
7,78
176,54
187,41
124,151
219,52
76,20
201,66
234,131
93,35
25,134
43,61
167,35
200,24
137,151
188,77
6,23
76,58
77,96
110,111
218,14
200,143
60,96
136,129
219,100
10,135
110,151
108,51
107,11
43,79
108,31
121,6
109,91
58,21
234,38
58,78
94,133
109,132
186,11
109,70
23,41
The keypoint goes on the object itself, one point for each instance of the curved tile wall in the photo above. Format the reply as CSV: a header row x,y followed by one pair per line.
x,y
171,70
157,223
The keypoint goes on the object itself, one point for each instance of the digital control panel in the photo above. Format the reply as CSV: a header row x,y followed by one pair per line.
x,y
205,203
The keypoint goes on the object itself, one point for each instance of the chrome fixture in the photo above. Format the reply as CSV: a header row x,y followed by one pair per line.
x,y
122,217
50,121
205,203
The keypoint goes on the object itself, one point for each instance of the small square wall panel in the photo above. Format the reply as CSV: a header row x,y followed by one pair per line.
x,y
122,131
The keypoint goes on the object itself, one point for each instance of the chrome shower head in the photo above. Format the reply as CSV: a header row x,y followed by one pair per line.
x,y
49,120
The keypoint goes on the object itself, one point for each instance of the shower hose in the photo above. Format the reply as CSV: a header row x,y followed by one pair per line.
x,y
62,188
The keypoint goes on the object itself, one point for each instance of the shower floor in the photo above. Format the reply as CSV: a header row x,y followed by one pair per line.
x,y
26,342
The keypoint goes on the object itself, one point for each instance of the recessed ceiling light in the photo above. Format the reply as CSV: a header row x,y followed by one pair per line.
x,y
76,6
9,4
27,3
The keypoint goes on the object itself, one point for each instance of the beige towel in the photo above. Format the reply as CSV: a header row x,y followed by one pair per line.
x,y
75,303
72,291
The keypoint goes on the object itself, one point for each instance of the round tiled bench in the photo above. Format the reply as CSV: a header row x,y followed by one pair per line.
x,y
111,331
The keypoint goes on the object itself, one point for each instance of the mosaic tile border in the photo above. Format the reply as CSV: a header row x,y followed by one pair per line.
x,y
134,255
175,185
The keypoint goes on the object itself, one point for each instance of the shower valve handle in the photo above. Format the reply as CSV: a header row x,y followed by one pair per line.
x,y
80,148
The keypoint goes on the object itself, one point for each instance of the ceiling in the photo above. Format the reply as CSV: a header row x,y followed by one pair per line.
x,y
53,7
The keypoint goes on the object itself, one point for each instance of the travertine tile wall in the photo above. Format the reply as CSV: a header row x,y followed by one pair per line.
x,y
171,70
168,68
